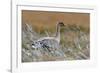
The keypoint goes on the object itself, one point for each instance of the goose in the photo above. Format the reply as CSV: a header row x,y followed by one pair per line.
x,y
49,42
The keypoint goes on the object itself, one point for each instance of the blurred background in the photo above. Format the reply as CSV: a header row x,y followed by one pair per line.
x,y
41,20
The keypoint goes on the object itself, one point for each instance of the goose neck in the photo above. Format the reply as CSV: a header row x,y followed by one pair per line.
x,y
58,33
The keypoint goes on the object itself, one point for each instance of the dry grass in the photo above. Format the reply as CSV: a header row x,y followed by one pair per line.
x,y
74,45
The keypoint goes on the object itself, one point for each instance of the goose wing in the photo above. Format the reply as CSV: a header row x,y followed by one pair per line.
x,y
49,43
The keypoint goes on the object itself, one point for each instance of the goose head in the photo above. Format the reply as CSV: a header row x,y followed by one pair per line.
x,y
61,24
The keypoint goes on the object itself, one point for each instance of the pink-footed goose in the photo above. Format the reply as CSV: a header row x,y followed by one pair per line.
x,y
49,42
